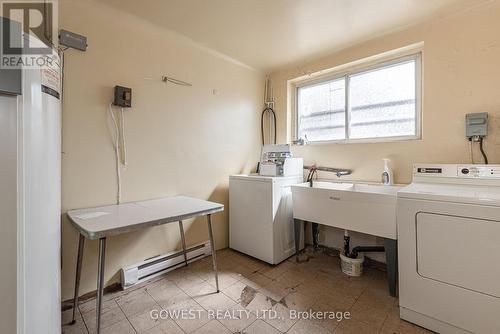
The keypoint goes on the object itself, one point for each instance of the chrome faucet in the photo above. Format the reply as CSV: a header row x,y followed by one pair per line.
x,y
337,171
342,172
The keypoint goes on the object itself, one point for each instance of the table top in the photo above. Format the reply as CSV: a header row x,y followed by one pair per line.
x,y
104,221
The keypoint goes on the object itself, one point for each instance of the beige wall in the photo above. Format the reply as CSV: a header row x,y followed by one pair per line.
x,y
461,74
181,140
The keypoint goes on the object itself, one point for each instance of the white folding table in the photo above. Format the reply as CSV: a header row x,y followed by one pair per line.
x,y
102,222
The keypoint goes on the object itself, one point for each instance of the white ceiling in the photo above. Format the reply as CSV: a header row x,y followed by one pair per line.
x,y
268,34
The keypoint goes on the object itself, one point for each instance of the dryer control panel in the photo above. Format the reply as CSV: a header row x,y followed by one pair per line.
x,y
479,171
466,171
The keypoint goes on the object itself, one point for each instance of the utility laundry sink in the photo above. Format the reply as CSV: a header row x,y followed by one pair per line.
x,y
362,207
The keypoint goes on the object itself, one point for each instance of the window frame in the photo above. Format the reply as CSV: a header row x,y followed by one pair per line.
x,y
346,73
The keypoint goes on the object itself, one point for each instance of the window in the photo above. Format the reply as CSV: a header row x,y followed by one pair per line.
x,y
376,103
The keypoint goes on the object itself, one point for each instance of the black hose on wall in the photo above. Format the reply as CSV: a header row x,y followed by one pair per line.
x,y
271,111
482,150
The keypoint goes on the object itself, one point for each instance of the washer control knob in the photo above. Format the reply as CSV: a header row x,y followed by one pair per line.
x,y
465,171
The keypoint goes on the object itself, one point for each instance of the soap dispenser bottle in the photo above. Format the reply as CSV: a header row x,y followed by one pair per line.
x,y
387,175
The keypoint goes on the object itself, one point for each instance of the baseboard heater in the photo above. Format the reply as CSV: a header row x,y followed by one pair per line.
x,y
161,264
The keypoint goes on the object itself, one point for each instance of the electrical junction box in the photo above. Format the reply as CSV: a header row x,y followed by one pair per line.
x,y
476,125
72,40
123,97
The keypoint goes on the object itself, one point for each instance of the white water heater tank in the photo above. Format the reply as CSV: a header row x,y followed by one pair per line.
x,y
30,202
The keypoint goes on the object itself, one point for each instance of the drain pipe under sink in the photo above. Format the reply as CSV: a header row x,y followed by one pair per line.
x,y
358,249
364,249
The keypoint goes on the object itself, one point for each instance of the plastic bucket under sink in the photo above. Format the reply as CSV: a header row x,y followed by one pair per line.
x,y
352,267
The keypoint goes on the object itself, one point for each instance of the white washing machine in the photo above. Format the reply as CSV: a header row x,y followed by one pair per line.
x,y
261,217
449,248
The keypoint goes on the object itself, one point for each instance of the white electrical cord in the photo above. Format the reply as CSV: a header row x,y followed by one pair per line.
x,y
124,144
471,152
116,138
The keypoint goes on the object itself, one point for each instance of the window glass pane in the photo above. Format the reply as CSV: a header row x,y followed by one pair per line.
x,y
382,102
321,111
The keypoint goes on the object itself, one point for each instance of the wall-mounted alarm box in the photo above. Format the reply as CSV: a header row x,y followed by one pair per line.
x,y
123,97
476,124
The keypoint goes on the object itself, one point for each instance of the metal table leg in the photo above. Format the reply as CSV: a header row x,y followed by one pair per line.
x,y
391,254
212,244
183,241
81,243
100,283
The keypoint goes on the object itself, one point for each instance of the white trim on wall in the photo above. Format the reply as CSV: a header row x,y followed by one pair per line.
x,y
21,300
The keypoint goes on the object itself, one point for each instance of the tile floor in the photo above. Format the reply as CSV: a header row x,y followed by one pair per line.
x,y
249,287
